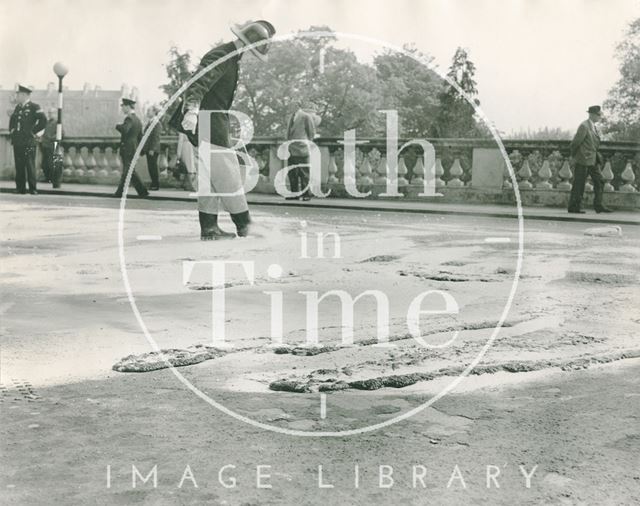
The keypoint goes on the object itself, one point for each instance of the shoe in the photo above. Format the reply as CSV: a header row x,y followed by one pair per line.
x,y
242,222
117,195
209,229
144,195
21,192
243,231
603,210
577,211
306,198
33,192
154,188
291,198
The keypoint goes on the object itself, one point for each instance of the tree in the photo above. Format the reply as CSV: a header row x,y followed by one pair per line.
x,y
456,117
412,89
345,90
545,133
349,94
622,107
179,70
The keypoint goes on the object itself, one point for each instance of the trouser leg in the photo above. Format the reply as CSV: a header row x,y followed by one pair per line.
x,y
47,163
206,203
56,168
31,168
301,174
577,190
223,171
304,179
293,180
598,186
123,176
188,156
138,184
21,168
135,180
152,165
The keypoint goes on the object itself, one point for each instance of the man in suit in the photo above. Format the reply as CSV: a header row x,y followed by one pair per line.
x,y
215,91
587,162
301,126
152,150
47,144
130,135
25,125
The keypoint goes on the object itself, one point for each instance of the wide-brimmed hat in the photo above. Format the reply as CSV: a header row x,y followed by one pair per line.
x,y
595,109
128,102
255,31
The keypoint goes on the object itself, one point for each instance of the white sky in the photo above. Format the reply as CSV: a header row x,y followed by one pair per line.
x,y
539,62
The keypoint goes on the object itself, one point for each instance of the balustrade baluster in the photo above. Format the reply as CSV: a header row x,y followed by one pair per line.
x,y
439,173
364,173
333,170
418,172
544,174
628,177
607,175
455,171
565,174
525,174
402,173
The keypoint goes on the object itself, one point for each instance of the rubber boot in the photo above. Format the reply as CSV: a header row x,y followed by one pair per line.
x,y
209,229
242,221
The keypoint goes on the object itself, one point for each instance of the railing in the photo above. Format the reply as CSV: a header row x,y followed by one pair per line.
x,y
546,164
539,165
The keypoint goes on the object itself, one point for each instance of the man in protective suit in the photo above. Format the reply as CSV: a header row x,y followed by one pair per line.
x,y
215,91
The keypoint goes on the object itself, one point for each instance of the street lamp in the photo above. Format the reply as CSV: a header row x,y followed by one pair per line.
x,y
60,70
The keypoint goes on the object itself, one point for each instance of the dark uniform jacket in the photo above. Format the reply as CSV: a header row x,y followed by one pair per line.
x,y
153,141
215,90
25,122
130,134
584,146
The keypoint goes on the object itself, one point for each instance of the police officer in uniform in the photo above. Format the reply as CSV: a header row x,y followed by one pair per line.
x,y
26,124
130,135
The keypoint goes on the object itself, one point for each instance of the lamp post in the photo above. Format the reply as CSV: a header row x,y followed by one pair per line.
x,y
58,163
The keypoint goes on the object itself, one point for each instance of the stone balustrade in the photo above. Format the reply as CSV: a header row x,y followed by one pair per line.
x,y
469,170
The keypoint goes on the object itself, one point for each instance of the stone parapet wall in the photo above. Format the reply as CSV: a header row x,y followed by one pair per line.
x,y
466,170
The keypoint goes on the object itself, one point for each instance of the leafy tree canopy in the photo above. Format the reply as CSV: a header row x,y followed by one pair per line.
x,y
348,93
622,107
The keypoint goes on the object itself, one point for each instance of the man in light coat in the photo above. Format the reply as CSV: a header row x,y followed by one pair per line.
x,y
301,126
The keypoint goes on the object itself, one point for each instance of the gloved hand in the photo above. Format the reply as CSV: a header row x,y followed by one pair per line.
x,y
190,121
